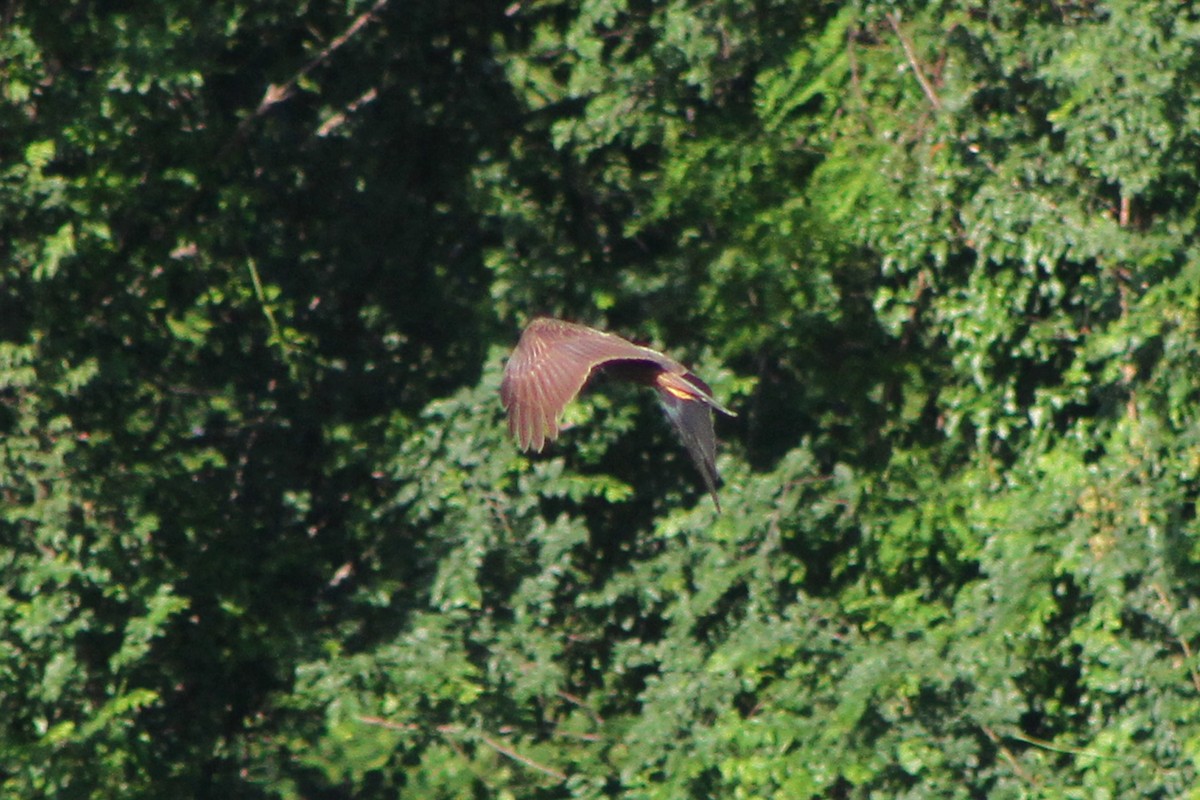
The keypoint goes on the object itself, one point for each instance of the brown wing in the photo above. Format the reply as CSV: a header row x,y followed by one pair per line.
x,y
549,366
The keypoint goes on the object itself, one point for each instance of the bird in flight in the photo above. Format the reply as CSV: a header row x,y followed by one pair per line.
x,y
554,359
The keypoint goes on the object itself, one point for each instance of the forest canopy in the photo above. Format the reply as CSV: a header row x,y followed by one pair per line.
x,y
264,532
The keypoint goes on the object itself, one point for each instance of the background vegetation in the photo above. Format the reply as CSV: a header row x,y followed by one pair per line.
x,y
262,532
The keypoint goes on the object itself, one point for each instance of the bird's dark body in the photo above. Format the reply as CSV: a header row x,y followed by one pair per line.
x,y
643,372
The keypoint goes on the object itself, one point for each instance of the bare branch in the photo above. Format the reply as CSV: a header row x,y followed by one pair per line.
x,y
277,93
457,730
935,101
505,750
1008,755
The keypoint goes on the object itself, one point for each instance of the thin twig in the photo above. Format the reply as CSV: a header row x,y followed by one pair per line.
x,y
926,86
380,722
1008,756
914,314
503,749
1183,645
578,701
239,476
1058,748
340,117
583,737
277,93
458,730
261,294
856,81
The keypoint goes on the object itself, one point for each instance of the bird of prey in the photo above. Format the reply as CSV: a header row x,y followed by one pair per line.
x,y
554,359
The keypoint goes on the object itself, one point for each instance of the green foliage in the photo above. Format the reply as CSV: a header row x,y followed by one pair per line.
x,y
264,533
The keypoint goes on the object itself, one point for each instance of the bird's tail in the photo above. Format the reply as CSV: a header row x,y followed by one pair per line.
x,y
693,422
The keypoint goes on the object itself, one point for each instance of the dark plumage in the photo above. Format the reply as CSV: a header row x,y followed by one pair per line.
x,y
554,359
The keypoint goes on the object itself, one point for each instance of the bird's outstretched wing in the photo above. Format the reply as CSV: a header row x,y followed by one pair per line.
x,y
549,366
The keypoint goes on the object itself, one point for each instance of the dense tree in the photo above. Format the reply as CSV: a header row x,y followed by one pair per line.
x,y
263,530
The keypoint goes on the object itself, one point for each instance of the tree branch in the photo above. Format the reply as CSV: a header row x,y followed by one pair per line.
x,y
927,87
